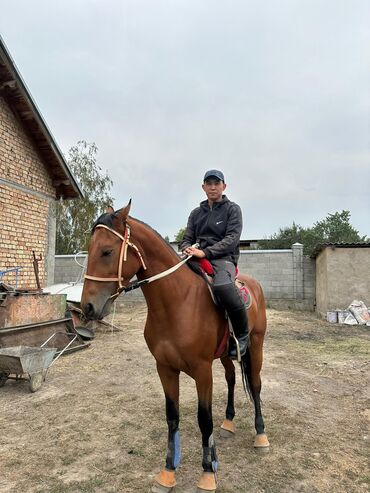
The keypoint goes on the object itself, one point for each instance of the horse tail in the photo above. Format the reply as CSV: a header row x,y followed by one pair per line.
x,y
245,366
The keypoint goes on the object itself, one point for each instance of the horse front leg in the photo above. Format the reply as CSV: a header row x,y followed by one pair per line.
x,y
228,427
253,367
165,480
203,379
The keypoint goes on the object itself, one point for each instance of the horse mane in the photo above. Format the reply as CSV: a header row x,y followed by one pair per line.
x,y
106,219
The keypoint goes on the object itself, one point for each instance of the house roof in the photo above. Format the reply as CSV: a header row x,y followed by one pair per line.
x,y
320,248
14,90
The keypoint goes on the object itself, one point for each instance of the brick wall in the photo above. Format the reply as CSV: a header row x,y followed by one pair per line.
x,y
26,203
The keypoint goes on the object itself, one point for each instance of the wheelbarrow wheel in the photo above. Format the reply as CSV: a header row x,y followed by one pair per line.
x,y
3,379
36,381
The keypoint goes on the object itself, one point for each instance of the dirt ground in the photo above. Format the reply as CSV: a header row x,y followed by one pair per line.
x,y
98,424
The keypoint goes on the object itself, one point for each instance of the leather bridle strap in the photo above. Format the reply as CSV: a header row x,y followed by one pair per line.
x,y
123,257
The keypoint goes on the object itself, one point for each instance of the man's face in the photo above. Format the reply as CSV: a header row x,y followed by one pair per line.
x,y
214,189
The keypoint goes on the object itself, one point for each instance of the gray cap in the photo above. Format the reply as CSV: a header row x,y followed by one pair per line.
x,y
214,173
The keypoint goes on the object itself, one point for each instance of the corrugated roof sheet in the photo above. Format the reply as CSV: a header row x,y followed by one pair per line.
x,y
320,248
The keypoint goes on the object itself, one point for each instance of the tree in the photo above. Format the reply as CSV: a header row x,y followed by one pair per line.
x,y
75,218
284,238
180,235
335,228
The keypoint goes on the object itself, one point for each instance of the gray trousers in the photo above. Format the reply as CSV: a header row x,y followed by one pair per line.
x,y
224,288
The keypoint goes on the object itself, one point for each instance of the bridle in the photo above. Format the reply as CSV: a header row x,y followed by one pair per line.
x,y
122,258
125,238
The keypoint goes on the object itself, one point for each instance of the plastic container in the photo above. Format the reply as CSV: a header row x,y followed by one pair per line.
x,y
342,315
332,317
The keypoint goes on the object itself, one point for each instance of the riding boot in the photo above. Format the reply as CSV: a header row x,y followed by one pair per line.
x,y
239,321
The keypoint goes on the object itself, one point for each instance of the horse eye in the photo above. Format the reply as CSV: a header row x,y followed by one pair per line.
x,y
106,253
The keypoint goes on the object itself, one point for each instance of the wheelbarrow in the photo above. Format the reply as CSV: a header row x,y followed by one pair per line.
x,y
29,363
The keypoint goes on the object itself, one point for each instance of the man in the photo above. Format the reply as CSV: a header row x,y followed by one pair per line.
x,y
216,226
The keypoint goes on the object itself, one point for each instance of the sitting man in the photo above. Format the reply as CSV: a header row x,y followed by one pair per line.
x,y
216,226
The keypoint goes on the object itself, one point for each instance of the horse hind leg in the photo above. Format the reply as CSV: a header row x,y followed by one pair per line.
x,y
165,481
228,427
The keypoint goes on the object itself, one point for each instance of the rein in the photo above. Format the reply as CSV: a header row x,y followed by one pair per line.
x,y
123,257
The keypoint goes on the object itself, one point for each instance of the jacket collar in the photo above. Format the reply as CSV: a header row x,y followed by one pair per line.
x,y
204,203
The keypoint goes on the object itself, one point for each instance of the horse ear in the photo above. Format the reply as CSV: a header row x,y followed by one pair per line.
x,y
109,210
124,212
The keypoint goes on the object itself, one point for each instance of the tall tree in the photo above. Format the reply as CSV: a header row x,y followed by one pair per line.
x,y
75,217
335,228
179,236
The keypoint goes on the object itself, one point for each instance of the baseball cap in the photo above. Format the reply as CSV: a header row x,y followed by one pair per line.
x,y
214,173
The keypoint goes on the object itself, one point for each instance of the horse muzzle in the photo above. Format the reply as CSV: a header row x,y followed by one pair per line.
x,y
92,311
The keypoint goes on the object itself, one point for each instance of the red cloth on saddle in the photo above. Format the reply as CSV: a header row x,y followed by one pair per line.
x,y
206,266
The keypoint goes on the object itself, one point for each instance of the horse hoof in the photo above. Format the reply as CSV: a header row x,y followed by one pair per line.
x,y
261,444
164,482
157,488
227,429
207,483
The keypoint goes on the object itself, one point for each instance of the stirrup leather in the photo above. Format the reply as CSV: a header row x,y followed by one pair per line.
x,y
232,334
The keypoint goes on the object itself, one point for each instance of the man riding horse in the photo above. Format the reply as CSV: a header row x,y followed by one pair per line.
x,y
216,226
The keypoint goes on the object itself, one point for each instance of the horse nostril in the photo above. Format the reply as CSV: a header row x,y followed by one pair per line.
x,y
89,310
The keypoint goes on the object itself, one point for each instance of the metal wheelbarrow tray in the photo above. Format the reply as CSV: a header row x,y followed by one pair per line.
x,y
28,363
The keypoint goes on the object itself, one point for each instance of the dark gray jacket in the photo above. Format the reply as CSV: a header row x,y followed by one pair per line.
x,y
217,230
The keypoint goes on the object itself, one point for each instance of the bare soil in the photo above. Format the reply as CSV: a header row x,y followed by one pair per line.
x,y
98,425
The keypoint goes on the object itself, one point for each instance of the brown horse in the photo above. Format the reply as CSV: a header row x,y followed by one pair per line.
x,y
183,330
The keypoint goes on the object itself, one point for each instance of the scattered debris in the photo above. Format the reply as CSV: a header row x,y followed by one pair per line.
x,y
360,311
356,314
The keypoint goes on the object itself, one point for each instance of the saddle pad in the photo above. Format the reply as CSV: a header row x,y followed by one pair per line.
x,y
243,290
222,348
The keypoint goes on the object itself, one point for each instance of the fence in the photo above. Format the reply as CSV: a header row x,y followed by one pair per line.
x,y
287,276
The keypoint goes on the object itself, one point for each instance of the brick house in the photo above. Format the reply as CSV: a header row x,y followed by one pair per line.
x,y
33,175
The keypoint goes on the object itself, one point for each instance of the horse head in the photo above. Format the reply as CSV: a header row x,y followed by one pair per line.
x,y
112,261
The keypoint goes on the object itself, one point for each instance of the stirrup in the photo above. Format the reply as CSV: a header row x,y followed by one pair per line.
x,y
238,355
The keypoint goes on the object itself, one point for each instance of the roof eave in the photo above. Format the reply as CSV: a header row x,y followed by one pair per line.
x,y
67,186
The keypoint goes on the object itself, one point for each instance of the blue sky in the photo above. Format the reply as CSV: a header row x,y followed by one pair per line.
x,y
274,93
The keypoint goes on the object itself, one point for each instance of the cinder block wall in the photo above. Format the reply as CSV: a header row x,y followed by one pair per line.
x,y
286,276
27,197
272,268
67,269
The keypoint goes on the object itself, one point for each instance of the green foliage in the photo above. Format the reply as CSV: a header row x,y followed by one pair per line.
x,y
335,228
180,235
76,217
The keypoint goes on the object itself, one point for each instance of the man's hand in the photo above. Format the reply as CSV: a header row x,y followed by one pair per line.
x,y
195,252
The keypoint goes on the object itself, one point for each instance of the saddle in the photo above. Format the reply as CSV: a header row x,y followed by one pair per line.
x,y
203,268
